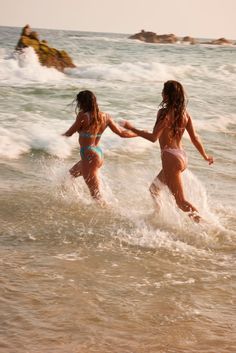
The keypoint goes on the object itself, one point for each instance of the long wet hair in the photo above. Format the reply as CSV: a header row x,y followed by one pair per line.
x,y
87,101
174,103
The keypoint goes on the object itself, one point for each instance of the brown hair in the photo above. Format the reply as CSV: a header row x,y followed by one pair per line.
x,y
87,102
174,102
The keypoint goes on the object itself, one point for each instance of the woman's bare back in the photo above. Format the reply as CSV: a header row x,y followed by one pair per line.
x,y
87,136
168,138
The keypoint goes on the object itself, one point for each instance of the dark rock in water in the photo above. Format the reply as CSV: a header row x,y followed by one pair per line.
x,y
190,40
151,37
167,38
144,36
220,41
47,55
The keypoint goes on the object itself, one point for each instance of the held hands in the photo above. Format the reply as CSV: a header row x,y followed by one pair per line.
x,y
65,134
126,125
128,129
209,159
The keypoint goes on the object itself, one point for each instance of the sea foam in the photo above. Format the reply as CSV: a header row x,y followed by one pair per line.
x,y
25,68
150,72
35,133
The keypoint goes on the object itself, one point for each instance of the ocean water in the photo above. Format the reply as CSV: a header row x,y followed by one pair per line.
x,y
80,279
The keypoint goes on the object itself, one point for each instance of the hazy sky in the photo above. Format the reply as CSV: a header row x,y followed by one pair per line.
x,y
197,18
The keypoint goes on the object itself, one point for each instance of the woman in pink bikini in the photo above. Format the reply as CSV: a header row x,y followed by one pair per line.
x,y
172,120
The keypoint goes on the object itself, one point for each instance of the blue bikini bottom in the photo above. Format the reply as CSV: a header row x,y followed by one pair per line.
x,y
96,149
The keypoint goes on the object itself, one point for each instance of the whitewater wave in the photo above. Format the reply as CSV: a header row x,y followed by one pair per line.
x,y
37,132
24,68
135,72
224,124
149,72
140,225
43,136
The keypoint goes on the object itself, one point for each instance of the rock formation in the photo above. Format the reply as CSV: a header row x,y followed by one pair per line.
x,y
220,41
47,55
189,40
151,37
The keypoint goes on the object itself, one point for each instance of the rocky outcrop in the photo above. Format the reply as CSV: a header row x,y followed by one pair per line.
x,y
151,37
189,40
220,41
47,55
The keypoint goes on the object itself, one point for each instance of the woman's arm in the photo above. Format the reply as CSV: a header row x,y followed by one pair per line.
x,y
197,141
118,130
151,136
76,126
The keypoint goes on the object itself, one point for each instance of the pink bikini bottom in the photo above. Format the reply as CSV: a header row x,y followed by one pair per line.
x,y
178,153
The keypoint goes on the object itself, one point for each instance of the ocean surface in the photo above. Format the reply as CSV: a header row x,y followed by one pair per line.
x,y
76,278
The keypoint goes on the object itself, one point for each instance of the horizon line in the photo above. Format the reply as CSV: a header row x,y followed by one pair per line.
x,y
89,31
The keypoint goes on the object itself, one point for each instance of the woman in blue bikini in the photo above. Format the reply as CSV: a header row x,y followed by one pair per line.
x,y
90,123
172,120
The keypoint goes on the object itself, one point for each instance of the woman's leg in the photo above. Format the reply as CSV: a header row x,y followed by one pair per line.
x,y
89,168
173,168
76,170
155,186
155,189
92,180
90,171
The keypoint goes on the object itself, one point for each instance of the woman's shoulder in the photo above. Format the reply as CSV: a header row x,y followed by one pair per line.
x,y
103,113
83,116
164,116
105,116
161,111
